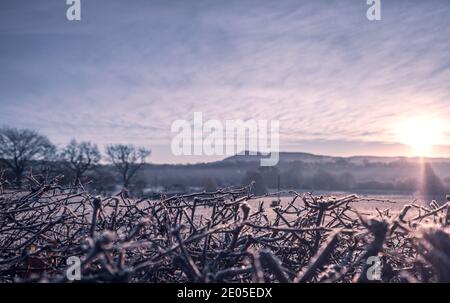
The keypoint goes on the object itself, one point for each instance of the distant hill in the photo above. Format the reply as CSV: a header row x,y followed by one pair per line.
x,y
312,158
307,171
295,170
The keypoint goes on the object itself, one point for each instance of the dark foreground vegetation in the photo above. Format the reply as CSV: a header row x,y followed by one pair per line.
x,y
215,236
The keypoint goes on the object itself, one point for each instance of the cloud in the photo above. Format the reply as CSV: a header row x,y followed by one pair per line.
x,y
127,71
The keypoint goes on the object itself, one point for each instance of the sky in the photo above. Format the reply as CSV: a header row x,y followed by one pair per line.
x,y
337,83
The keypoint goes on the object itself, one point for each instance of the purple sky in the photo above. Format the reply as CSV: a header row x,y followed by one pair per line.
x,y
337,83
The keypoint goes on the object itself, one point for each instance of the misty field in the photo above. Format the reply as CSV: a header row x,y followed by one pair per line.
x,y
224,236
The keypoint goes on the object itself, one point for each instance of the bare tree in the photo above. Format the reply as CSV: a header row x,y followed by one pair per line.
x,y
80,157
127,159
20,146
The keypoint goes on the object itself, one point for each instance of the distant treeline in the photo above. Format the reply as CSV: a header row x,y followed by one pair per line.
x,y
26,155
25,152
400,177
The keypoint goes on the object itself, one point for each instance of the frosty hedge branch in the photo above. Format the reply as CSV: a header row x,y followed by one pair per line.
x,y
215,236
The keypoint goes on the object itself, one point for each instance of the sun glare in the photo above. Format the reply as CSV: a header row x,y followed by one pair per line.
x,y
421,134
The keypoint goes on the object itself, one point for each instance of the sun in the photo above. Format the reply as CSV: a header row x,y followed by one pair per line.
x,y
421,134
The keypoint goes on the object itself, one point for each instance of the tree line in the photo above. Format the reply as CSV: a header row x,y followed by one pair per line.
x,y
23,150
20,148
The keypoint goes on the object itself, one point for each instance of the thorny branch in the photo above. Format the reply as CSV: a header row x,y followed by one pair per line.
x,y
222,236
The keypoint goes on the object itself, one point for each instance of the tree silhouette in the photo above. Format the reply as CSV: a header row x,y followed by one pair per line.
x,y
127,159
20,146
80,157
